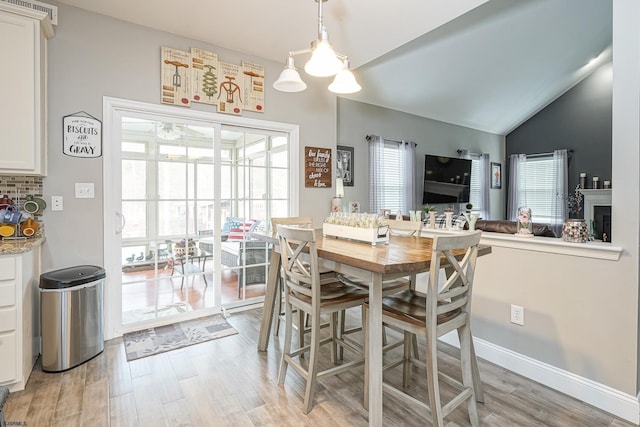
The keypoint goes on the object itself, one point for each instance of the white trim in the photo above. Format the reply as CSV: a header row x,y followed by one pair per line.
x,y
551,245
601,396
593,198
116,107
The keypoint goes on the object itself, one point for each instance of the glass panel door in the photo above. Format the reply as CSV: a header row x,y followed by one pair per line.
x,y
254,188
168,203
183,192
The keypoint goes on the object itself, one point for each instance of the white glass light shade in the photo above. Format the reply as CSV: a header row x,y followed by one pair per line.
x,y
289,81
323,62
345,82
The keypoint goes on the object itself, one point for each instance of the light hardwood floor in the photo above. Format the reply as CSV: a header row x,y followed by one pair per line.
x,y
227,382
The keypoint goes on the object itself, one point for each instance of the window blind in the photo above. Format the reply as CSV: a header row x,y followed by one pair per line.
x,y
537,184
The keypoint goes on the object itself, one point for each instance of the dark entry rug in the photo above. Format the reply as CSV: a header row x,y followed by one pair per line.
x,y
157,340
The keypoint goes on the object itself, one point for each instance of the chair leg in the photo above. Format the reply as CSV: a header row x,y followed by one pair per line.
x,y
432,381
288,328
466,361
406,365
277,312
333,332
365,332
313,363
342,320
477,384
301,327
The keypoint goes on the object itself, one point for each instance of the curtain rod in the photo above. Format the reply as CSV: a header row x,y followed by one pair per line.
x,y
545,154
368,138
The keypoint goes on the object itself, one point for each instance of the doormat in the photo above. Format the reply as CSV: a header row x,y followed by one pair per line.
x,y
160,339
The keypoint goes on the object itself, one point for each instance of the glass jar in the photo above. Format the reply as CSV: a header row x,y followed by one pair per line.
x,y
523,221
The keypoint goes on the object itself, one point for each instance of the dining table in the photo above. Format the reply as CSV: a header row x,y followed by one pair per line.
x,y
400,257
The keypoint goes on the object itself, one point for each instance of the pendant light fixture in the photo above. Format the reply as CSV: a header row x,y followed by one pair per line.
x,y
324,62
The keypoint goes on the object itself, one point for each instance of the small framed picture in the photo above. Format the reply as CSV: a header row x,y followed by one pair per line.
x,y
354,207
344,165
496,175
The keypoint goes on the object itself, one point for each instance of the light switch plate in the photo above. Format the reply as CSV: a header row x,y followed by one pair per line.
x,y
85,190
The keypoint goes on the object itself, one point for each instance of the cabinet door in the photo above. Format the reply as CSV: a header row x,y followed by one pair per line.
x,y
20,106
8,357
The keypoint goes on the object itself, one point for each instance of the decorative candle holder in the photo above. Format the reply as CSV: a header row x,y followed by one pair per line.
x,y
575,231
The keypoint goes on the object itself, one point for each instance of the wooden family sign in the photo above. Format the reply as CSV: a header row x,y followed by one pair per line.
x,y
317,167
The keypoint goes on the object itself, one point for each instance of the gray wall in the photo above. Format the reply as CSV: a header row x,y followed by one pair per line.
x,y
357,120
579,120
92,56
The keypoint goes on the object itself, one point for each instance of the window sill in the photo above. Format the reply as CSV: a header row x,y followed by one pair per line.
x,y
597,250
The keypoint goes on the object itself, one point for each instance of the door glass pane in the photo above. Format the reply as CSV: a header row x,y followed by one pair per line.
x,y
205,181
135,219
258,183
134,179
280,183
172,180
175,218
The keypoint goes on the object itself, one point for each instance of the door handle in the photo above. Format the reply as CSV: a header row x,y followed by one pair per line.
x,y
121,223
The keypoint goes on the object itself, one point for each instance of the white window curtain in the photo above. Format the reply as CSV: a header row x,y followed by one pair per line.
x,y
561,178
480,184
391,175
516,164
376,174
408,150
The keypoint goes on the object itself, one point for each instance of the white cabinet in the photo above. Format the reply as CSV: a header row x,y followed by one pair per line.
x,y
19,317
23,116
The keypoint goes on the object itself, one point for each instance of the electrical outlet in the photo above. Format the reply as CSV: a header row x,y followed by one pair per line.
x,y
56,203
517,315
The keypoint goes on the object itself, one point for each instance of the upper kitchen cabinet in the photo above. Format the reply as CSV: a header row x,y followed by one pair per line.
x,y
23,104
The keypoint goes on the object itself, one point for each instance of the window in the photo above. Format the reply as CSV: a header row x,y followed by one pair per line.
x,y
474,186
387,176
537,188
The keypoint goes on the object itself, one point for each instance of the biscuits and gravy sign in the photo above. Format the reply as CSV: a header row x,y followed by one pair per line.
x,y
81,135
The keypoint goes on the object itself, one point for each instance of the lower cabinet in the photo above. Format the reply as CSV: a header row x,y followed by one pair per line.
x,y
19,317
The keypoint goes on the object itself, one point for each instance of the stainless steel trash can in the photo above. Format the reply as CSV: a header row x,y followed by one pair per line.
x,y
71,308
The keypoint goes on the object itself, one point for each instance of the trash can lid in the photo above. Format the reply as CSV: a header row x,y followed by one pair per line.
x,y
71,276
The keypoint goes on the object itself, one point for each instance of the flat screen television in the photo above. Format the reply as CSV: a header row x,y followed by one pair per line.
x,y
446,180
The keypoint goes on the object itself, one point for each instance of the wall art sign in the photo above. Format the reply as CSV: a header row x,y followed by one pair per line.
x,y
496,175
81,135
344,165
317,167
199,76
176,77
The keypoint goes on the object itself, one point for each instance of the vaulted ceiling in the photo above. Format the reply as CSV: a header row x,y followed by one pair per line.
x,y
487,65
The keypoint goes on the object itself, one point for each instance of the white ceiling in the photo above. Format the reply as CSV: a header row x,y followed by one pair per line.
x,y
488,65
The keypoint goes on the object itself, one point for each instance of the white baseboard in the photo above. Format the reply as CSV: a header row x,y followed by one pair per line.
x,y
599,395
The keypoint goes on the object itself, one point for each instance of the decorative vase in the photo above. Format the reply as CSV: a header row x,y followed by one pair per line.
x,y
524,225
575,231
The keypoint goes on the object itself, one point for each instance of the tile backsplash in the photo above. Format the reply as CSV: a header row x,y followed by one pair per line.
x,y
17,187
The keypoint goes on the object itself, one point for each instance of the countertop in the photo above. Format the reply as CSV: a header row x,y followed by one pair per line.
x,y
19,246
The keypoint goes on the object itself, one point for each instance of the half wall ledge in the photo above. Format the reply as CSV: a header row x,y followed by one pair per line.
x,y
597,250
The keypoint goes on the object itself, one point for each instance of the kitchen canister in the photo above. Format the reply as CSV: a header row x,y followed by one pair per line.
x,y
575,231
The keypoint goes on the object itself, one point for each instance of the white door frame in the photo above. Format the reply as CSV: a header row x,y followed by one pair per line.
x,y
113,109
